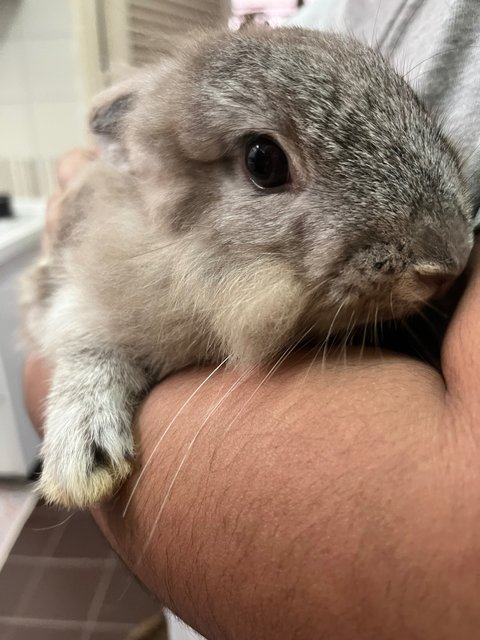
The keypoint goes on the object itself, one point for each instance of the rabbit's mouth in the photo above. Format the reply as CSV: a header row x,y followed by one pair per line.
x,y
386,282
347,306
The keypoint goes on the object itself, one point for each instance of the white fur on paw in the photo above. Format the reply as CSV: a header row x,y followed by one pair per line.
x,y
87,454
88,446
74,486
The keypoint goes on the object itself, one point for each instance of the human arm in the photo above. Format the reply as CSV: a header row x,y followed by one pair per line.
x,y
341,503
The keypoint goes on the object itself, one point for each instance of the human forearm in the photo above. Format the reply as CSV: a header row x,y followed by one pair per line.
x,y
297,522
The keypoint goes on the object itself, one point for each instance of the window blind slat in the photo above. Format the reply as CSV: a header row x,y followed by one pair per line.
x,y
162,14
154,25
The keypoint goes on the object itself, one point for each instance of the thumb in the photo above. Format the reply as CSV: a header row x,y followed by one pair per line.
x,y
461,348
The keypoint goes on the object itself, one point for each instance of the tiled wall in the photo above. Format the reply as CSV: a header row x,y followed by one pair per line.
x,y
41,113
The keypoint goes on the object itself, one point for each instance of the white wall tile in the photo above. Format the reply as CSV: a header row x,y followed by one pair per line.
x,y
51,69
40,89
45,18
13,78
58,127
16,131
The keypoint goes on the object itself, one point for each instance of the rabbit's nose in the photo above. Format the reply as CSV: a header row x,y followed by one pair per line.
x,y
436,279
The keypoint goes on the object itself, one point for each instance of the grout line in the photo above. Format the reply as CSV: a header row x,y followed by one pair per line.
x,y
73,625
52,561
98,599
15,531
38,573
33,133
10,632
39,565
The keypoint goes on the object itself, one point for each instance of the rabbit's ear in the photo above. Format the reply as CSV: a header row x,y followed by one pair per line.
x,y
107,121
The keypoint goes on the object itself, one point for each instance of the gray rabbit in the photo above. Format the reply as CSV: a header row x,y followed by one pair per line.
x,y
257,187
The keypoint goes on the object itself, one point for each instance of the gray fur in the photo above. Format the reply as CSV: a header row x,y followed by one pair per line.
x,y
178,258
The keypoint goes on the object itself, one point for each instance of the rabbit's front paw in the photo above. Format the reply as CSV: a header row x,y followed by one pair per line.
x,y
83,482
83,467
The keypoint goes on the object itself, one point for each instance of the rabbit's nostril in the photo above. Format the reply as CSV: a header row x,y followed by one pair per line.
x,y
436,280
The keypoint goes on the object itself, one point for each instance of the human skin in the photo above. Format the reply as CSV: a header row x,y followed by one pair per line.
x,y
336,500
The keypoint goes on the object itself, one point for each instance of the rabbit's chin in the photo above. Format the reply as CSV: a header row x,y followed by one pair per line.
x,y
353,312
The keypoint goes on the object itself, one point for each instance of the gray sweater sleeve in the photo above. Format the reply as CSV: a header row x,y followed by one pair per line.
x,y
436,45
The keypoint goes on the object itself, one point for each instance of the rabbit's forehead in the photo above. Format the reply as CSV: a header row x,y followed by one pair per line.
x,y
302,87
311,68
341,108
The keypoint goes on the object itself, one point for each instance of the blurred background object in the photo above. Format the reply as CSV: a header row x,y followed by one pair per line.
x,y
272,12
56,54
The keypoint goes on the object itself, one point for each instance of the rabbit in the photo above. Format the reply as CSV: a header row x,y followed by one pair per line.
x,y
255,187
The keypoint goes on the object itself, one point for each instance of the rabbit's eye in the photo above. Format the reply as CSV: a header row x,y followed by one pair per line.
x,y
266,163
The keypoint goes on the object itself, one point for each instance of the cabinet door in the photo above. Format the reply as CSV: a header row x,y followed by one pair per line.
x,y
12,462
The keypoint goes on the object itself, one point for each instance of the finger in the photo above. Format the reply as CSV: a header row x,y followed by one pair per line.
x,y
36,382
51,219
71,164
461,349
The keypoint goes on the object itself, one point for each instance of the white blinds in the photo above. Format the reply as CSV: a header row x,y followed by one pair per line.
x,y
154,25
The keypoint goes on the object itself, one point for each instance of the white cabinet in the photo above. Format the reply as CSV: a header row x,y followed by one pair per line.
x,y
19,241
